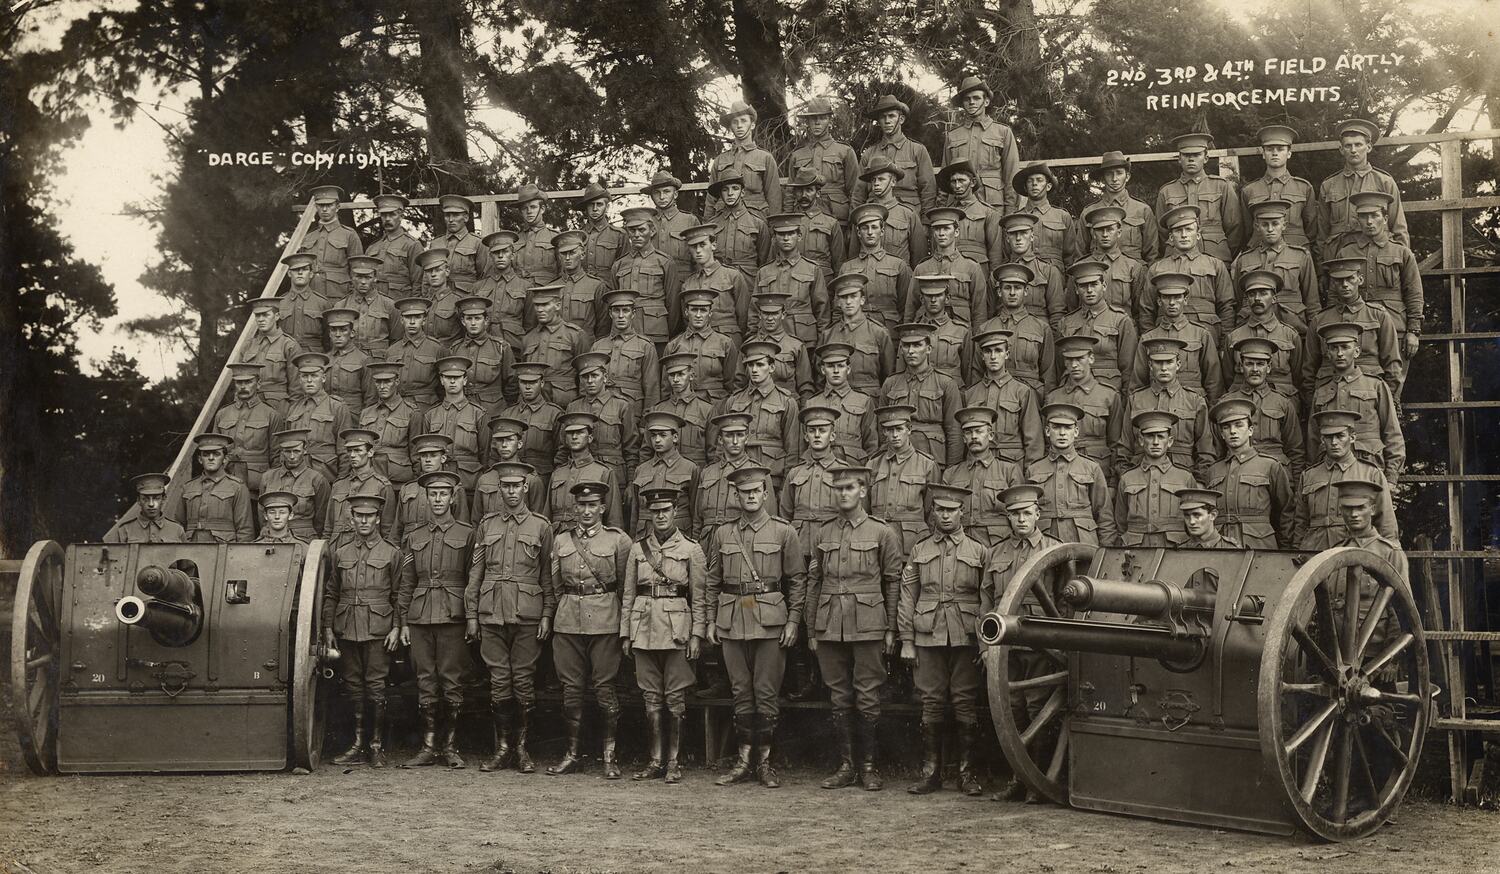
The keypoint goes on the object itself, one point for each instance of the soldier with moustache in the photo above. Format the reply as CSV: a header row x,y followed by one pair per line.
x,y
1261,320
823,240
395,253
467,256
1146,507
247,420
830,159
1297,275
983,475
331,244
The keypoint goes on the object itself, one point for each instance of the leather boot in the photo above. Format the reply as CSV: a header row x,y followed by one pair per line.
x,y
570,761
450,740
968,781
741,770
611,732
654,768
355,755
843,729
377,736
501,759
932,766
427,755
763,769
524,764
674,743
869,775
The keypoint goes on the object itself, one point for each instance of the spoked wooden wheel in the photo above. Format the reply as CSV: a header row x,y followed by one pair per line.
x,y
1343,699
309,695
1037,745
35,651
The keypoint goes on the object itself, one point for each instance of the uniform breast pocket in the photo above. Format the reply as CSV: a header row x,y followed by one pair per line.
x,y
1054,222
1272,420
924,618
768,562
909,169
466,252
1083,484
1211,204
1255,494
253,437
529,547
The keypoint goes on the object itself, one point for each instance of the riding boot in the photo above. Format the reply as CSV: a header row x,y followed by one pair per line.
x,y
524,764
573,719
501,759
843,728
674,743
356,753
427,755
377,736
869,775
741,770
763,769
932,766
654,768
968,781
611,730
450,740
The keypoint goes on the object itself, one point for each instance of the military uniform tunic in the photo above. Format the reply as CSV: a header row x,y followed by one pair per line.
x,y
1018,423
359,600
717,501
823,243
662,472
1124,282
762,181
534,254
338,523
718,360
968,291
939,613
661,609
442,313
670,223
937,399
1192,441
418,358
888,278
463,423
1392,280
917,188
1045,296
807,306
617,437
491,378
633,367
300,316
250,424
695,410
1257,504
1075,499
346,377
325,417
1146,505
775,437
654,277
435,561
744,240
1221,217
1032,358
509,314
985,478
540,442
604,244
580,469
897,485
1301,219
1379,353
853,593
1278,427
468,259
583,303
487,497
990,148
807,500
1198,365
1286,361
398,272
587,570
950,347
1055,237
840,168
397,422
1210,299
1115,353
1103,425
791,368
1339,222
874,355
413,510
730,312
556,345
1298,296
333,244
213,509
980,239
1377,435
378,323
509,591
1317,522
274,351
902,233
854,433
312,489
1138,232
142,530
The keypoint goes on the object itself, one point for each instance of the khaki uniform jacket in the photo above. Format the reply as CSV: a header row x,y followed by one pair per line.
x,y
413,511
968,291
274,351
874,356
1301,221
854,433
398,272
333,244
587,572
1004,560
418,358
1286,361
1116,352
141,530
250,424
1033,356
534,255
1192,441
378,324
213,510
1317,522
1075,504
985,478
300,316
940,587
510,315
397,422
1210,300
1377,434
434,571
604,244
468,259
1018,425
540,442
1298,296
577,470
509,577
1257,507
492,379
1379,352
695,409
1101,433
655,277
1146,504
654,617
854,580
990,147
730,314
1138,233
487,498
339,521
359,601
757,578
840,168
633,367
1278,428
556,345
917,188
1222,217
717,502
1199,365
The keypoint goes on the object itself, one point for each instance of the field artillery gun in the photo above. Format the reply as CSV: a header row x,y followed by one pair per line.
x,y
151,657
1247,689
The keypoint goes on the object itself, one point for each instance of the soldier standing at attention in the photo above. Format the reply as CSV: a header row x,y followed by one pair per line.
x,y
1391,273
684,401
831,159
792,367
1023,509
1125,278
504,286
1377,433
298,475
581,294
1317,524
1210,300
652,275
757,583
431,454
392,417
540,448
983,475
1030,354
968,284
716,501
508,607
1045,295
358,605
1358,500
727,288
534,254
670,220
1201,364
318,413
395,252
491,377
662,618
588,565
792,274
441,294
248,420
458,419
1076,506
872,355
665,469
822,235
1192,441
1379,355
980,237
1278,184
1102,428
632,366
1262,319
897,475
148,524
213,507
276,527
744,240
743,157
616,438
902,232
854,433
506,436
300,307
331,243
1138,233
416,354
1146,498
274,351
1115,353
468,259
775,438
987,145
430,611
1218,202
950,335
362,479
853,590
605,242
917,187
1257,491
1200,512
1296,274
1338,221
933,397
887,276
1056,230
936,620
579,466
376,323
346,380
1278,425
807,501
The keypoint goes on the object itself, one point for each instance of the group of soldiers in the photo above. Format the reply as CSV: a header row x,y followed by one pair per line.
x,y
832,417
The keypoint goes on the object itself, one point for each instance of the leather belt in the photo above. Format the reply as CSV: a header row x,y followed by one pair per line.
x,y
751,588
1071,514
662,591
1232,519
596,588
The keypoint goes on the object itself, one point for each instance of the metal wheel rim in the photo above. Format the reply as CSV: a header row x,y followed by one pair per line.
x,y
35,651
1049,781
1354,745
309,701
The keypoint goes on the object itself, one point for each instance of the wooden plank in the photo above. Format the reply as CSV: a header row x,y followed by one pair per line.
x,y
1447,204
1450,724
1463,636
9,566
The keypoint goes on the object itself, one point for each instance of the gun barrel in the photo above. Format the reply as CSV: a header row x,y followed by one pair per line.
x,y
1153,599
1083,635
170,623
166,584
